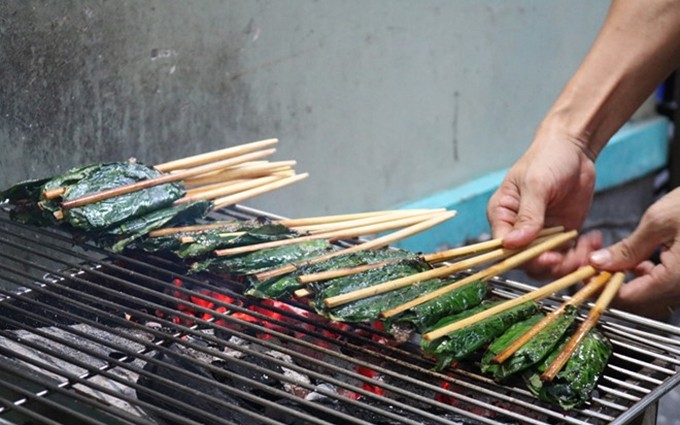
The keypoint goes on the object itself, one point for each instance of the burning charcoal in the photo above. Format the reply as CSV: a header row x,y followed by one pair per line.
x,y
296,377
277,414
250,374
195,398
314,396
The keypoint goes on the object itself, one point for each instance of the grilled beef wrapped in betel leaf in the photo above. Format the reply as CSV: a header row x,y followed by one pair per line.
x,y
25,196
369,309
536,349
423,316
172,242
462,343
206,242
121,236
32,207
575,382
264,259
282,286
109,212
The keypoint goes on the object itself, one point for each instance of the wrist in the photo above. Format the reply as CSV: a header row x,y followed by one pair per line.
x,y
557,129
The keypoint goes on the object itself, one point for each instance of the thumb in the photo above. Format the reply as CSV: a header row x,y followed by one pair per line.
x,y
627,253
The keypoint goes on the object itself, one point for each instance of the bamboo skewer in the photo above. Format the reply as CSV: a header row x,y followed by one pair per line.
x,y
542,292
205,158
583,294
333,235
246,194
598,309
227,189
507,264
290,223
54,193
191,239
346,271
379,242
303,292
193,228
328,219
248,170
481,246
423,276
166,178
407,281
213,186
349,224
430,258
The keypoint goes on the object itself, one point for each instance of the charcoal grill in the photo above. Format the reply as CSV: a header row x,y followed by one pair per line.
x,y
91,337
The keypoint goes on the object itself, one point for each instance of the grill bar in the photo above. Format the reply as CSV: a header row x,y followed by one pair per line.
x,y
468,399
59,389
243,336
63,284
121,362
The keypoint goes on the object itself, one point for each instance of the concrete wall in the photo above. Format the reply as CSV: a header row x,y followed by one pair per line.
x,y
382,101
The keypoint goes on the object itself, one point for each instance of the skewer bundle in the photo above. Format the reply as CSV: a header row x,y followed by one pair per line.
x,y
367,289
118,202
140,206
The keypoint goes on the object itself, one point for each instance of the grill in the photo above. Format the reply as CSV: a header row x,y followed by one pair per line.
x,y
91,337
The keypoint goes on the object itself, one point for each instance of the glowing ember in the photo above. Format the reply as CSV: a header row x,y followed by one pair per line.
x,y
369,373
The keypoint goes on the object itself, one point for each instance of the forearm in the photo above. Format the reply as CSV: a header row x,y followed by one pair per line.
x,y
638,46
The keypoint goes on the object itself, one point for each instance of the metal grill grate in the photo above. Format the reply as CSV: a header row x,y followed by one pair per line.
x,y
90,337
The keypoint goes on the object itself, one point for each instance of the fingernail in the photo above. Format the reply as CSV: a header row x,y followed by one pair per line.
x,y
600,257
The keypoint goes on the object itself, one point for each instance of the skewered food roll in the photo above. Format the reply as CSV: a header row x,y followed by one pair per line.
x,y
574,384
530,353
31,205
278,287
368,309
257,261
424,316
462,343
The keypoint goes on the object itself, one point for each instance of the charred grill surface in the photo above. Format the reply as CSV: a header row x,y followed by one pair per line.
x,y
91,337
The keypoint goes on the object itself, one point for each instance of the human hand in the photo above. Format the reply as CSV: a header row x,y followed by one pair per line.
x,y
551,184
656,288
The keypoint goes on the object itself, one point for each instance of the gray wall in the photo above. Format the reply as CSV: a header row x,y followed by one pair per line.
x,y
382,101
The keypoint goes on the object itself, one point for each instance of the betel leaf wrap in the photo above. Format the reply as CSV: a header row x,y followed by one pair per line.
x,y
64,181
172,242
27,190
575,382
530,353
206,242
428,313
368,309
108,212
121,236
24,197
462,343
279,287
264,259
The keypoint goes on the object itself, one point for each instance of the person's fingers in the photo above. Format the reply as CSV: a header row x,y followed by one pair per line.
x,y
529,220
559,263
631,251
643,268
578,255
502,210
650,294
